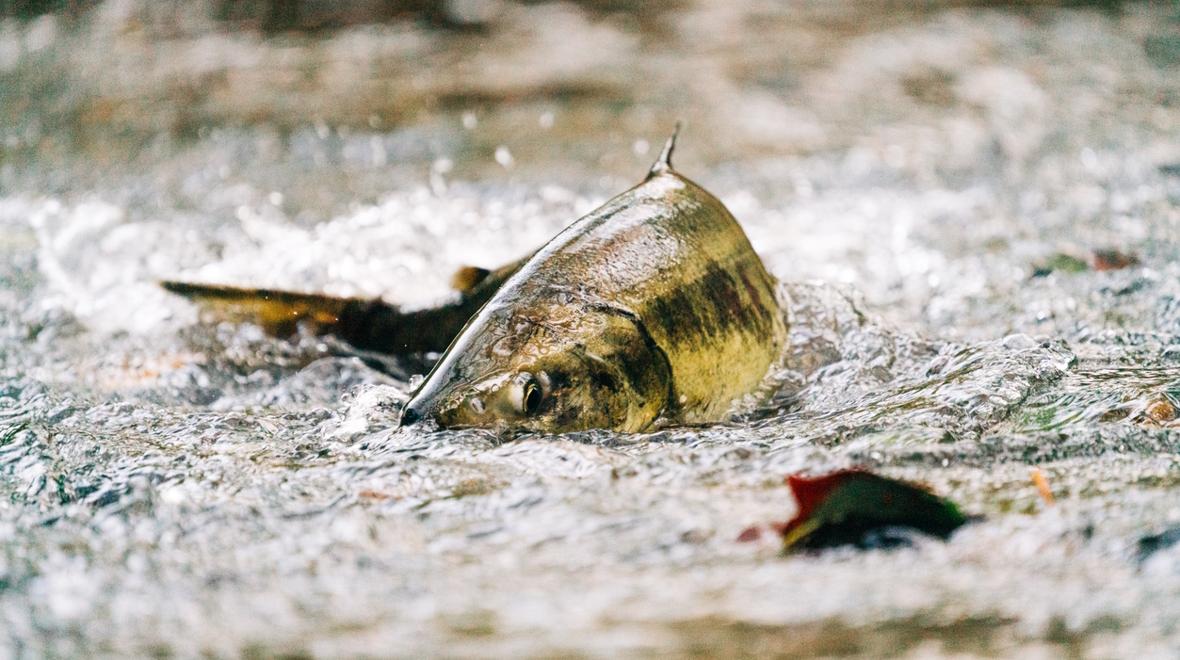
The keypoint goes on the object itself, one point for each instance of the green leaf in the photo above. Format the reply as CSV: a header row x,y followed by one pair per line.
x,y
1060,262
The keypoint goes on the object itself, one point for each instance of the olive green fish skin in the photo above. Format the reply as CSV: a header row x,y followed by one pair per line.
x,y
652,307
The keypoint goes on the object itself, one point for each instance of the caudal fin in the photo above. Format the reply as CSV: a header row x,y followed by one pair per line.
x,y
279,313
368,325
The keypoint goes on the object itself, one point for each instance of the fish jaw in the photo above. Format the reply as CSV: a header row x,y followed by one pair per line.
x,y
604,373
454,404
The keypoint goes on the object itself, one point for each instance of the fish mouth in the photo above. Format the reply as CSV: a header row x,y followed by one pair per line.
x,y
410,416
455,404
424,404
418,414
431,403
427,418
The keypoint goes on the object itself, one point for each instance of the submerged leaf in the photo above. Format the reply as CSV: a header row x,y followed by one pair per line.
x,y
1149,545
1161,410
1113,260
856,507
1042,485
1060,262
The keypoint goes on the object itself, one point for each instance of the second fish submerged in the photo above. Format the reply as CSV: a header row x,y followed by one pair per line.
x,y
652,308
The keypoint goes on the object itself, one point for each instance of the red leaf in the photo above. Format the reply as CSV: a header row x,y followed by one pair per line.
x,y
810,492
856,506
1113,260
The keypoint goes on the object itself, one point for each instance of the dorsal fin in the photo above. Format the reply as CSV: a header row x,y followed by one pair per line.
x,y
664,162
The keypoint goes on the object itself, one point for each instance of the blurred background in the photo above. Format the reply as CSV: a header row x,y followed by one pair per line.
x,y
369,91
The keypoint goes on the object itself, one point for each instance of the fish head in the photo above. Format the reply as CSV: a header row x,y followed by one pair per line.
x,y
549,369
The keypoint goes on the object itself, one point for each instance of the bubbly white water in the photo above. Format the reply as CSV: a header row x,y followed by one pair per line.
x,y
175,489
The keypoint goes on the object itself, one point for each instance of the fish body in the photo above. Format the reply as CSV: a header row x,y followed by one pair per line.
x,y
654,307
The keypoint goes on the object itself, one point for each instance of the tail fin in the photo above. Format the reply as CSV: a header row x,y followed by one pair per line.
x,y
664,162
277,312
368,325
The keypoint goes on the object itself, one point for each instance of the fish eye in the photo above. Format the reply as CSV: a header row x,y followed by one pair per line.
x,y
526,395
532,398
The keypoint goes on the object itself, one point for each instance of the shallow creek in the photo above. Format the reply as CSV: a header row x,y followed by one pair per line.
x,y
933,190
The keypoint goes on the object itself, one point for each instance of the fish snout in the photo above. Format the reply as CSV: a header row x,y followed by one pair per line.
x,y
423,407
443,409
410,416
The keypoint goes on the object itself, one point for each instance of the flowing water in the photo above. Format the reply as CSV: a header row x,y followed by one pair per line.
x,y
934,188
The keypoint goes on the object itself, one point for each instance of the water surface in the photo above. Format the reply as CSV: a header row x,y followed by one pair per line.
x,y
178,489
